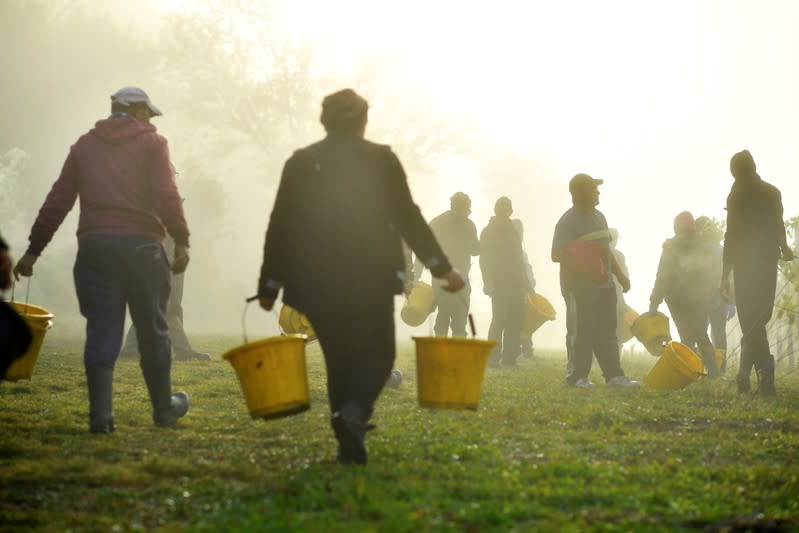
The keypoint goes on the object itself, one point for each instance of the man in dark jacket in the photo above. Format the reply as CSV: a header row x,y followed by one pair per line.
x,y
581,244
334,244
505,280
458,238
685,280
754,240
122,174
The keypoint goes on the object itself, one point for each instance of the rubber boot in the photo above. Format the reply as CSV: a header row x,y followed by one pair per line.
x,y
744,374
349,425
168,406
765,379
100,383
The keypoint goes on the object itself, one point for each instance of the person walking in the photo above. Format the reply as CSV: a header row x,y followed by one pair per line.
x,y
685,280
333,245
121,172
753,244
505,282
457,235
581,244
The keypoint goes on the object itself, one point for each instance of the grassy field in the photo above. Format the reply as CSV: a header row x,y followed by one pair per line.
x,y
536,456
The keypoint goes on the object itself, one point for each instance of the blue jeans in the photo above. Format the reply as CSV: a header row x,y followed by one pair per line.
x,y
115,271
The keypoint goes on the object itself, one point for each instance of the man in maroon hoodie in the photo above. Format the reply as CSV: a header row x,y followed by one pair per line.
x,y
128,201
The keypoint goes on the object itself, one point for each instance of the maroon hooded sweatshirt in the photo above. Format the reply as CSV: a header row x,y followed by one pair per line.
x,y
122,174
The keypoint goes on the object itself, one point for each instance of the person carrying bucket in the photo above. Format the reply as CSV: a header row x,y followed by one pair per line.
x,y
753,244
333,245
685,280
457,235
581,244
14,331
505,282
129,201
527,349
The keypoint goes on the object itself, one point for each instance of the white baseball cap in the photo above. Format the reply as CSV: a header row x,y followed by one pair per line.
x,y
133,95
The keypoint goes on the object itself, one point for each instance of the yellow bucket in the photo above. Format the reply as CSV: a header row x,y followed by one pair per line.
x,y
537,310
626,332
653,331
450,371
272,375
418,305
39,320
292,321
676,368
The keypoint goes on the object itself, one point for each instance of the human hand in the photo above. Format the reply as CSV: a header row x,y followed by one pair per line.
x,y
653,309
624,281
181,259
455,281
6,265
24,266
266,303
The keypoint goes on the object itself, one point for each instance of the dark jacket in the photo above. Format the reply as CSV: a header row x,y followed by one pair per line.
x,y
688,272
122,174
502,258
335,232
755,228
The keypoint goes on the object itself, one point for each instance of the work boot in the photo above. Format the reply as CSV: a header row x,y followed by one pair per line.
x,y
765,380
168,406
100,383
350,428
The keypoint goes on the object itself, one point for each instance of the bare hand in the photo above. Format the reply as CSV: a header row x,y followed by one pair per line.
x,y
266,303
455,281
25,266
181,259
787,254
624,281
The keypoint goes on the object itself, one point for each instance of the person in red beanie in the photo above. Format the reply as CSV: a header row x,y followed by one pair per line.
x,y
685,279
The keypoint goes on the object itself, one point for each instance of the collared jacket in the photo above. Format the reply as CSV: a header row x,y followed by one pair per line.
x,y
335,235
121,172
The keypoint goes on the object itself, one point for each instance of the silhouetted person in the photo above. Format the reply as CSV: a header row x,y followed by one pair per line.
x,y
685,280
526,340
334,245
457,236
505,281
581,244
128,201
754,240
15,335
181,347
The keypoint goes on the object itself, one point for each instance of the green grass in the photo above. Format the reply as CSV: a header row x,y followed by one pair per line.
x,y
536,456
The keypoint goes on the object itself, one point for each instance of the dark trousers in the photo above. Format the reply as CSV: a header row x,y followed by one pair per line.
x,y
595,333
115,271
571,329
755,289
691,320
359,350
718,326
507,316
174,318
453,310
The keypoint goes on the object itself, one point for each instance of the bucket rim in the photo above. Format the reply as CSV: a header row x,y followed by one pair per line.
x,y
454,340
38,311
682,359
289,338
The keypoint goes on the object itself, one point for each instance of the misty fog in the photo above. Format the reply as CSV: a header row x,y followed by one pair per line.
x,y
506,98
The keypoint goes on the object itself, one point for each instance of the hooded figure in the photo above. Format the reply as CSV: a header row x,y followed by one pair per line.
x,y
753,243
686,280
